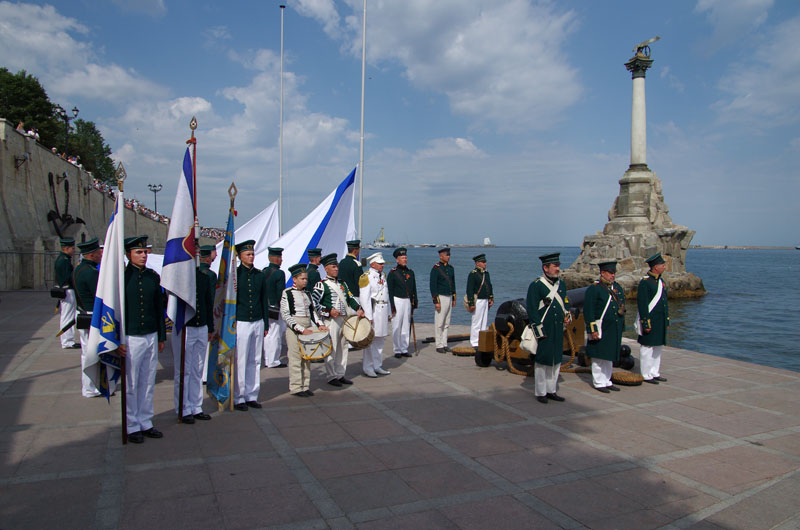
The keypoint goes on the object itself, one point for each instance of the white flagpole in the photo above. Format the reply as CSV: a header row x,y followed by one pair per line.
x,y
361,158
280,142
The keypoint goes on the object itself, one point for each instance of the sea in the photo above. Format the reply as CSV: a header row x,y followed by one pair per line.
x,y
747,315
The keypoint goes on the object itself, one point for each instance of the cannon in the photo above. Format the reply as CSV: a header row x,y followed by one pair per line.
x,y
511,319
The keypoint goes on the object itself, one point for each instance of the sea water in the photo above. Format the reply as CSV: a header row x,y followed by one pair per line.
x,y
748,313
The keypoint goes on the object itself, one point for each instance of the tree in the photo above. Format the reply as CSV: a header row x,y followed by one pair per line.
x,y
23,99
94,153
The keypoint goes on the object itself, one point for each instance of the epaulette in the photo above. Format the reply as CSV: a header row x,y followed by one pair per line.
x,y
363,280
436,266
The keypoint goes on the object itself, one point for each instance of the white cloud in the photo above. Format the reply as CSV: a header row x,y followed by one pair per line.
x,y
732,19
40,40
762,89
672,80
450,147
500,64
323,11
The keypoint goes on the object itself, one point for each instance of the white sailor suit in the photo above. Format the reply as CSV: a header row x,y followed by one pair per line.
x,y
374,298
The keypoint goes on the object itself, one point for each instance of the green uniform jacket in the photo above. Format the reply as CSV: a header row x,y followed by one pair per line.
x,y
323,302
403,284
476,276
313,277
607,348
276,282
349,272
551,347
204,304
64,270
144,303
443,281
205,268
85,280
251,295
658,319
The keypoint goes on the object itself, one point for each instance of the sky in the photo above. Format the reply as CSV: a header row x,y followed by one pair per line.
x,y
508,120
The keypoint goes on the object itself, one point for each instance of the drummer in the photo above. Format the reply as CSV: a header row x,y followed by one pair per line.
x,y
374,298
331,300
298,315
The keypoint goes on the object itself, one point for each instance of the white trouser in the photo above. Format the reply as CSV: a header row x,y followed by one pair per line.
x,y
140,374
401,324
68,311
336,362
87,387
650,361
205,364
299,369
373,356
480,321
441,320
601,373
249,342
273,343
196,346
545,379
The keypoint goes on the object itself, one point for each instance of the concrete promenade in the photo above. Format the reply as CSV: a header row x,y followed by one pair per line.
x,y
439,443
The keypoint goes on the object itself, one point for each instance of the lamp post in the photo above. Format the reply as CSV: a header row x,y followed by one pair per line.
x,y
155,188
64,116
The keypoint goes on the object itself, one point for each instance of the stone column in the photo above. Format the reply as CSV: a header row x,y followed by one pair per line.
x,y
638,65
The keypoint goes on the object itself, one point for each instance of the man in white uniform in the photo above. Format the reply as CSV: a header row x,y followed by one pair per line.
x,y
374,298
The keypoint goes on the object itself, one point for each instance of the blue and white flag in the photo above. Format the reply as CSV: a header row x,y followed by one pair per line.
x,y
107,331
178,271
329,226
220,353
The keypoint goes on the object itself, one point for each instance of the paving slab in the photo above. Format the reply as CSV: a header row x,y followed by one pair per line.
x,y
439,443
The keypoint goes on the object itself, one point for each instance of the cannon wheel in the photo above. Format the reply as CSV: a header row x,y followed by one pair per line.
x,y
483,359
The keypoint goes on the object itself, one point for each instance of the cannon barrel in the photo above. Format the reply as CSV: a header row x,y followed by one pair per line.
x,y
514,312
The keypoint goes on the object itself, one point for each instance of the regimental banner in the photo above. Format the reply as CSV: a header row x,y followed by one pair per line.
x,y
108,314
221,348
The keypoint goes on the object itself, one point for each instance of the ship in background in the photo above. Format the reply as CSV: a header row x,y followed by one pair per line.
x,y
380,242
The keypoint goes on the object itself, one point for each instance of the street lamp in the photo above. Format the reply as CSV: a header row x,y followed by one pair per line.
x,y
64,116
155,188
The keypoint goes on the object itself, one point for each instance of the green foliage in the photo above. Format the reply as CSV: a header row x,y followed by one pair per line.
x,y
94,153
23,99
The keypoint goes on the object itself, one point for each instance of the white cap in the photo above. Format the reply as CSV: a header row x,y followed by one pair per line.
x,y
376,258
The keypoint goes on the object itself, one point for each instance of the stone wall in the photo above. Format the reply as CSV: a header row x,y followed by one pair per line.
x,y
28,240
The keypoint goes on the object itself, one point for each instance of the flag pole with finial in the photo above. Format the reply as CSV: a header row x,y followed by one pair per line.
x,y
121,175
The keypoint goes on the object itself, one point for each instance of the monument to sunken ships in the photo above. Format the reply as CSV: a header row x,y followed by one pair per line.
x,y
639,224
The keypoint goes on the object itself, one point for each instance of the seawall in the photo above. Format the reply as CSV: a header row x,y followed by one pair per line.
x,y
43,197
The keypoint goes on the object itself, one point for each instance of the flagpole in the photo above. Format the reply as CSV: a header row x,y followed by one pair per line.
x,y
120,174
193,142
232,192
361,157
280,141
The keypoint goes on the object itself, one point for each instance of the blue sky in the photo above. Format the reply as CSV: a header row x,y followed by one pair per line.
x,y
508,119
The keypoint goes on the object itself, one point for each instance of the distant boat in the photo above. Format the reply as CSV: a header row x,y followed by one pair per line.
x,y
380,242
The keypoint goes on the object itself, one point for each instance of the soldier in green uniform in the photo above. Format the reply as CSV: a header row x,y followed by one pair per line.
x,y
199,331
208,253
314,257
85,280
64,270
252,325
402,286
480,298
443,291
604,312
331,299
653,320
350,268
548,314
275,280
144,325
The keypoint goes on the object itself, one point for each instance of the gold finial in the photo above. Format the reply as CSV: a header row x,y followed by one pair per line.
x,y
232,191
121,175
193,123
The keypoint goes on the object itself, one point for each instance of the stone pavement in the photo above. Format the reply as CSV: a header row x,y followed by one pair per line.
x,y
439,443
